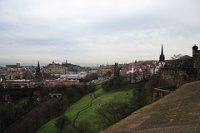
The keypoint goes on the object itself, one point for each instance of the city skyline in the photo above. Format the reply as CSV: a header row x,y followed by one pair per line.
x,y
96,32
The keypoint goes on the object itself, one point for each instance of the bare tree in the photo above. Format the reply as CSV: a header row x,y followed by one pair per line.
x,y
175,57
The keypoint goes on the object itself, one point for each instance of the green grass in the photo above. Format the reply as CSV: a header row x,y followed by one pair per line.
x,y
89,114
48,128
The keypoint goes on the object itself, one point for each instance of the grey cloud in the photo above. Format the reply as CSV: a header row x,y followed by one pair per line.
x,y
78,30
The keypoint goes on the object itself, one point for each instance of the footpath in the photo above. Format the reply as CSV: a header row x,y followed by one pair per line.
x,y
178,112
77,115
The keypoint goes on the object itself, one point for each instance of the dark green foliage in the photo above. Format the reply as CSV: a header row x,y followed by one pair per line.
x,y
43,112
141,96
70,129
90,77
91,88
9,112
115,84
1,86
6,115
83,126
61,122
152,83
112,112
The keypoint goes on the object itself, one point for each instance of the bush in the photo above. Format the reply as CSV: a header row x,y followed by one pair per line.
x,y
112,112
83,126
90,77
70,129
115,84
61,122
152,83
140,97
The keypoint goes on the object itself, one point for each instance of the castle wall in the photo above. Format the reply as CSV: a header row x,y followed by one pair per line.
x,y
176,76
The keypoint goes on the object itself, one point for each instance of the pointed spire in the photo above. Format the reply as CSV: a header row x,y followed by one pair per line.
x,y
38,64
38,69
162,50
162,57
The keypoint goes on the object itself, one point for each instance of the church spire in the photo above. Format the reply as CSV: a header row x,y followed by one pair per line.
x,y
162,57
38,70
162,50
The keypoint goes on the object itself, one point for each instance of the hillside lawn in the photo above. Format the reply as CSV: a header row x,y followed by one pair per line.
x,y
89,114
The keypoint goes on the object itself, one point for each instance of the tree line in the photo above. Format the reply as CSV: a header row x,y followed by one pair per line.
x,y
42,111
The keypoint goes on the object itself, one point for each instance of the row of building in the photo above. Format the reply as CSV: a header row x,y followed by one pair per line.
x,y
141,70
136,71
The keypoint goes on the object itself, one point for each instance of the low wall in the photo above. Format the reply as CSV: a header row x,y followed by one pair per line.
x,y
162,91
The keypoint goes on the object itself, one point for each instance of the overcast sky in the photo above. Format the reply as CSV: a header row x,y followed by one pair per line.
x,y
96,31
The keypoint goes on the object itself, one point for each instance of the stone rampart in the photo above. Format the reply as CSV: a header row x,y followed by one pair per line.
x,y
177,76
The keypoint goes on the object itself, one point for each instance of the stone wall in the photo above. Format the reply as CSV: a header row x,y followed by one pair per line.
x,y
181,63
176,76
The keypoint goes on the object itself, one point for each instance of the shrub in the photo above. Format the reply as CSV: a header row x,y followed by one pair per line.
x,y
115,84
61,122
83,126
140,96
112,112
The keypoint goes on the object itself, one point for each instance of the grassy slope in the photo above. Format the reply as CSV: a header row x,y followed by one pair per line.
x,y
177,112
89,114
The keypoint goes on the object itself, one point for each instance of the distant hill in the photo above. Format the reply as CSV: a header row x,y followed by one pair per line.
x,y
185,57
144,62
70,65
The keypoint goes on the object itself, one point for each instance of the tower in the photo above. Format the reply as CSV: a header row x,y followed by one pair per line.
x,y
162,57
196,55
194,50
38,70
117,70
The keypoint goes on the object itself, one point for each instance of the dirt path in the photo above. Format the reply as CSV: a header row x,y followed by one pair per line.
x,y
77,115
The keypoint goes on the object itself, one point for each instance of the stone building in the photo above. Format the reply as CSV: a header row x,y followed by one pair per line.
x,y
13,66
106,70
17,73
74,77
54,69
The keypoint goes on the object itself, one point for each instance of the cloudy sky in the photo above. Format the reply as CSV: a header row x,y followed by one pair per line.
x,y
96,31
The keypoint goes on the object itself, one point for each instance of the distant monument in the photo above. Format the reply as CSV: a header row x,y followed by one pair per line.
x,y
38,73
116,70
162,58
